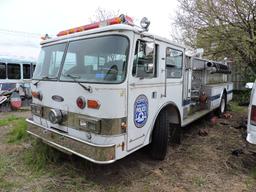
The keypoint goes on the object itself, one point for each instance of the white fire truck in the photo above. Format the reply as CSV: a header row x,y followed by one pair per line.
x,y
104,90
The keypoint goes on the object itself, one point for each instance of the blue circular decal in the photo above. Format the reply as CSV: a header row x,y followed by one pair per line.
x,y
140,111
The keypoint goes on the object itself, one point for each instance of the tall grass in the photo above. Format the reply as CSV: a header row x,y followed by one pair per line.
x,y
18,131
253,173
17,126
5,168
39,155
236,108
8,120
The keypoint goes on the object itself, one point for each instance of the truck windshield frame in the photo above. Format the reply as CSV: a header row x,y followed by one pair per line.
x,y
100,60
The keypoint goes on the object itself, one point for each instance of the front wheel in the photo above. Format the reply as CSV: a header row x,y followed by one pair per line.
x,y
159,143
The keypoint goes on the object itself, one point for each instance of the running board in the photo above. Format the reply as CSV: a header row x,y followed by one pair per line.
x,y
194,117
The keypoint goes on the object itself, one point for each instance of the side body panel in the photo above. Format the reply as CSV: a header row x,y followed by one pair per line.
x,y
156,93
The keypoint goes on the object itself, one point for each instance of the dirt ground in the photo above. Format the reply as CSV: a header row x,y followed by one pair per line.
x,y
212,157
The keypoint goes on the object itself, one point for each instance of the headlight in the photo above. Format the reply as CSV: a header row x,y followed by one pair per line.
x,y
55,116
103,126
88,125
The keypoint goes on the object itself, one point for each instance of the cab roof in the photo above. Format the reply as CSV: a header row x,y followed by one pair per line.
x,y
108,28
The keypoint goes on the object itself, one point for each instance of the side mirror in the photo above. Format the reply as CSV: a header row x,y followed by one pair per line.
x,y
149,67
249,85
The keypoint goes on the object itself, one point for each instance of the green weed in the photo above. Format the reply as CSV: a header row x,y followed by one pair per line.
x,y
236,108
253,173
6,185
18,132
39,155
5,168
199,181
249,182
18,128
8,120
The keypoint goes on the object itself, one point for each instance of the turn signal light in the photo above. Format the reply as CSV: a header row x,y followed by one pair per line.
x,y
37,95
93,104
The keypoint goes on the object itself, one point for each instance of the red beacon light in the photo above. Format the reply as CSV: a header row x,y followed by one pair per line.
x,y
116,20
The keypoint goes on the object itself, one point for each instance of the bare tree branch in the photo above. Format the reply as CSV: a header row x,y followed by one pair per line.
x,y
222,27
102,14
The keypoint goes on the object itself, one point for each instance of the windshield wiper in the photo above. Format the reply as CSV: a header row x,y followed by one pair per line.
x,y
89,88
44,78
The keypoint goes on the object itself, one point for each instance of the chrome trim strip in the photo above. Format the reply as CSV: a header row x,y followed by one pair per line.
x,y
71,151
71,137
131,140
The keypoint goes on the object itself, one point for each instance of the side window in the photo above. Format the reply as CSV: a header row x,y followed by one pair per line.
x,y
26,71
173,63
13,71
2,71
144,64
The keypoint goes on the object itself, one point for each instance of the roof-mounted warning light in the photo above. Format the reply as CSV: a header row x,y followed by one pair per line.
x,y
117,20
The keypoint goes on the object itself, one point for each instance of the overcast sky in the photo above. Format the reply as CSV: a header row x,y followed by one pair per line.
x,y
52,16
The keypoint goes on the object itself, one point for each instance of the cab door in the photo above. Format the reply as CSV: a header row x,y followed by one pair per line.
x,y
144,90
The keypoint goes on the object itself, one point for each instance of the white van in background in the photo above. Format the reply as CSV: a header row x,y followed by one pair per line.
x,y
251,125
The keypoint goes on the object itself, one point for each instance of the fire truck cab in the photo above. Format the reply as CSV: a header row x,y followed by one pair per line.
x,y
104,90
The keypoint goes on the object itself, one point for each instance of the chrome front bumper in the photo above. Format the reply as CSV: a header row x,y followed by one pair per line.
x,y
100,154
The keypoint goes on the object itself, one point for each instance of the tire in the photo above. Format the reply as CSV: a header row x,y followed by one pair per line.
x,y
160,136
175,133
223,105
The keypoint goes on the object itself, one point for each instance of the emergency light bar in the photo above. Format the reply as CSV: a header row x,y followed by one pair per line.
x,y
117,20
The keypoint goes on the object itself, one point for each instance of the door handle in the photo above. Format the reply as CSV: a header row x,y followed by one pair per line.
x,y
154,95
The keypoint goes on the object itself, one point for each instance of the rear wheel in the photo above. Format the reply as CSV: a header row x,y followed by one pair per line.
x,y
160,136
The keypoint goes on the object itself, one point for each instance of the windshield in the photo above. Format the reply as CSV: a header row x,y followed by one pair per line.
x,y
49,61
98,60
